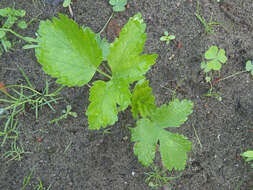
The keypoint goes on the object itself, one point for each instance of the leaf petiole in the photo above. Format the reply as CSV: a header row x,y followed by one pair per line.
x,y
106,23
103,73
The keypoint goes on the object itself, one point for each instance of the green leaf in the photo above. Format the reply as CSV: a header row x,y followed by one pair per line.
x,y
143,101
164,38
221,56
102,110
173,147
104,45
214,65
2,34
118,5
12,12
146,137
171,37
211,53
22,24
124,57
215,58
248,153
68,52
66,3
104,98
172,115
249,67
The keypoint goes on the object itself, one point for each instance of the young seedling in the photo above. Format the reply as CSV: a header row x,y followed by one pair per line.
x,y
214,58
65,115
10,130
118,5
39,186
158,178
67,3
15,153
12,17
248,155
207,25
167,38
65,55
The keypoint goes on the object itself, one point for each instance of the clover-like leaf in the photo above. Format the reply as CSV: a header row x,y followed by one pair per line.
x,y
67,51
221,56
173,147
249,67
142,100
214,65
211,53
214,58
118,5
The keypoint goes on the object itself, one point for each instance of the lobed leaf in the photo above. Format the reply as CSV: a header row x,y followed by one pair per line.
x,y
173,147
104,98
67,52
172,115
142,100
124,57
211,53
146,137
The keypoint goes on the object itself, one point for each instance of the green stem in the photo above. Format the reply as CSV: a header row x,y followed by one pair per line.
x,y
27,39
106,68
57,91
22,86
106,23
240,72
103,73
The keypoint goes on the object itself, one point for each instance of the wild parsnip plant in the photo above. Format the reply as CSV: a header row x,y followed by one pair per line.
x,y
74,56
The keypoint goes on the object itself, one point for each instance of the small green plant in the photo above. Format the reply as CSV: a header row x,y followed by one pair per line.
x,y
66,3
66,113
213,62
20,96
63,53
207,25
39,186
167,38
12,16
16,152
158,178
249,67
118,5
248,155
